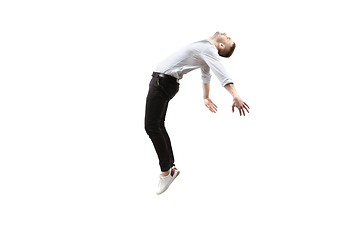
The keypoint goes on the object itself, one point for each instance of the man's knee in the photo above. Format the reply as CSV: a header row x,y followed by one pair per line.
x,y
150,128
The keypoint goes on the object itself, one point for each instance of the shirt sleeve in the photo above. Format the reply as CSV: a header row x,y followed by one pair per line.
x,y
212,59
205,74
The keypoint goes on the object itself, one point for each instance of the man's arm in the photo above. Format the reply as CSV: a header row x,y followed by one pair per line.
x,y
212,60
237,102
207,101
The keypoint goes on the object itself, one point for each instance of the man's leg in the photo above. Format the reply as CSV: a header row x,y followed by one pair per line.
x,y
167,138
156,106
160,93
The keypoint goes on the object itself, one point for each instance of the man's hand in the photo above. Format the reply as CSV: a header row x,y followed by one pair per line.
x,y
241,105
210,105
238,102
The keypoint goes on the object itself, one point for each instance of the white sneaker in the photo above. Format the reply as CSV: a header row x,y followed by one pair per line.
x,y
165,181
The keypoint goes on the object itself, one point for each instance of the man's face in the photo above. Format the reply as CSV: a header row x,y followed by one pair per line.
x,y
223,38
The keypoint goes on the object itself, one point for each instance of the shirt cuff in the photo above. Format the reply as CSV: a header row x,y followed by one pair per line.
x,y
227,81
206,80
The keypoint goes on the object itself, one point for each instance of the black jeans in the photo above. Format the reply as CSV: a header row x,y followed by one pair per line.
x,y
161,91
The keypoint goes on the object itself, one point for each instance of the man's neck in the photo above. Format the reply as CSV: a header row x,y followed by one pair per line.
x,y
214,42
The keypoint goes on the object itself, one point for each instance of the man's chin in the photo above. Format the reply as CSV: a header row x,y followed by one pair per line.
x,y
216,34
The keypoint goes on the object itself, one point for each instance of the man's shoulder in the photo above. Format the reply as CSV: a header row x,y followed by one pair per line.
x,y
204,46
204,42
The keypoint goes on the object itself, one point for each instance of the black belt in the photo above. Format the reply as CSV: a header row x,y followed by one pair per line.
x,y
164,76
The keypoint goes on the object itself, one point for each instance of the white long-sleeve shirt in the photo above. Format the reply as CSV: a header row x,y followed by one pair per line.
x,y
202,54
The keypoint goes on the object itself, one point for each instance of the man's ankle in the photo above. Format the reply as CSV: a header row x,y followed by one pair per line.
x,y
165,173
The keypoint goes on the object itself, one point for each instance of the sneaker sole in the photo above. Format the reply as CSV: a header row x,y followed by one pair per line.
x,y
177,174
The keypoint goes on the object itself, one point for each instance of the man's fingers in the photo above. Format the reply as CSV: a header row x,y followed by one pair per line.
x,y
246,109
241,107
211,108
241,111
210,105
245,106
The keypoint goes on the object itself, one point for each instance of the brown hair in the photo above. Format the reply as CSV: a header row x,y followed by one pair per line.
x,y
227,53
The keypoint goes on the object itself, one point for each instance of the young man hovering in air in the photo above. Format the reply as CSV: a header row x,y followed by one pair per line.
x,y
164,85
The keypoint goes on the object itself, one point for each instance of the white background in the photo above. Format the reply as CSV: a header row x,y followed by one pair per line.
x,y
76,162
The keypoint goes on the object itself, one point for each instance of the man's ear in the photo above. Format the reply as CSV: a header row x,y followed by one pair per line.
x,y
221,46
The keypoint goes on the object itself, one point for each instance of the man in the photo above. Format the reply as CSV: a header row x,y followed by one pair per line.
x,y
164,85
